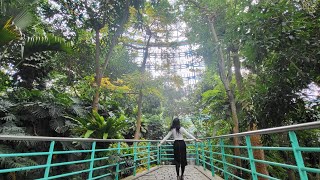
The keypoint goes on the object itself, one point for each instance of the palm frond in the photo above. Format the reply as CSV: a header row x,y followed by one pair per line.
x,y
40,112
58,125
23,19
55,111
46,43
8,32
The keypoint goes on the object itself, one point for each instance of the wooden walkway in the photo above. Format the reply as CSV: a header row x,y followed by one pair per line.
x,y
168,172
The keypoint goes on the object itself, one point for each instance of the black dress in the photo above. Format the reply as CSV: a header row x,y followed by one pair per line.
x,y
180,152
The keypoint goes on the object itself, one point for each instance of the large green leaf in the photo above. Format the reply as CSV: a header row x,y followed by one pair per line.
x,y
88,133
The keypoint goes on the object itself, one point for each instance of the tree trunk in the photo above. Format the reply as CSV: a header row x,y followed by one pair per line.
x,y
97,69
138,125
226,83
258,154
142,70
237,68
114,42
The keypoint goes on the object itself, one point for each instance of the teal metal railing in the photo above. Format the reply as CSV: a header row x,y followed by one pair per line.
x,y
212,153
128,157
142,154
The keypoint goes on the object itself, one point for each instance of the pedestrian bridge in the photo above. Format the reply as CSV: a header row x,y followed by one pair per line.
x,y
213,158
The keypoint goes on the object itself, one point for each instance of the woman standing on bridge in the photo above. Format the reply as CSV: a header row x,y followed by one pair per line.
x,y
179,146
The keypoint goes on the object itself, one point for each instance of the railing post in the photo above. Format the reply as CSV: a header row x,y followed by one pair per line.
x,y
225,168
49,159
118,163
135,158
251,159
297,155
93,148
197,154
158,155
148,156
203,158
211,157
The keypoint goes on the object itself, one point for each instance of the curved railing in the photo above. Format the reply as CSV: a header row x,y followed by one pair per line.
x,y
212,152
124,156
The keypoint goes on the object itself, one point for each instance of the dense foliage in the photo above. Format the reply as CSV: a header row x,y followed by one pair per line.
x,y
67,69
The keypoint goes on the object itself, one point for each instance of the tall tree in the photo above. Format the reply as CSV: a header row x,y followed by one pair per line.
x,y
105,20
211,15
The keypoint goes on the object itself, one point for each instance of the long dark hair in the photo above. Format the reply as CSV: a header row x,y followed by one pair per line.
x,y
175,124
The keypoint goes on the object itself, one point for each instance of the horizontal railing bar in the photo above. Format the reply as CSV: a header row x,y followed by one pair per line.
x,y
102,158
302,126
66,174
238,167
24,154
125,155
272,148
266,176
295,127
73,151
237,177
70,162
111,149
309,149
167,154
142,158
217,153
218,168
276,164
64,139
207,163
239,157
230,146
22,168
105,166
314,170
127,168
101,176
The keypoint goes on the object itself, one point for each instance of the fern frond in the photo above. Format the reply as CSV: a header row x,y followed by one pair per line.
x,y
5,105
14,162
9,117
46,43
10,128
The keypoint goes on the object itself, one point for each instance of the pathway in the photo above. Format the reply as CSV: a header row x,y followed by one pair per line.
x,y
168,173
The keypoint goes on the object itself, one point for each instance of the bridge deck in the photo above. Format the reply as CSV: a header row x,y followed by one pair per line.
x,y
168,172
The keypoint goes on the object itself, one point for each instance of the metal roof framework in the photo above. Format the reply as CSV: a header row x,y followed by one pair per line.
x,y
178,58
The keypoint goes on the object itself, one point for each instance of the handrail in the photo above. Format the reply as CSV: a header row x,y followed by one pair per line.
x,y
66,139
211,154
295,127
302,126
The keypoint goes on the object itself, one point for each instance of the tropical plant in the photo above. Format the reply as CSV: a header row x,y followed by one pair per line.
x,y
97,126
